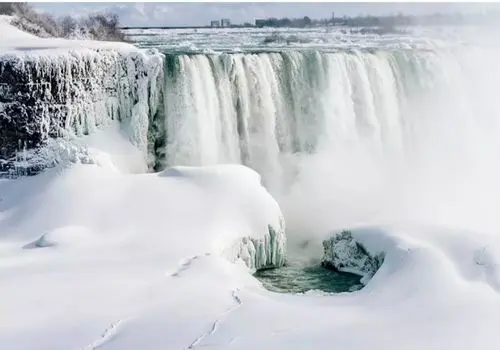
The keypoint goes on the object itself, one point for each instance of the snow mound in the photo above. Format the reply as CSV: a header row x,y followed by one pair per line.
x,y
263,245
210,208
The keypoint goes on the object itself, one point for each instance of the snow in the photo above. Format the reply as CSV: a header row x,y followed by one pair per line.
x,y
107,147
97,243
94,257
98,254
16,42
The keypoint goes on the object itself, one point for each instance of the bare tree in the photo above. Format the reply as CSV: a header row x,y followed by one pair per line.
x,y
99,26
7,8
104,26
68,25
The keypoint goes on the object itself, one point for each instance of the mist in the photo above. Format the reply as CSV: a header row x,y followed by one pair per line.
x,y
429,157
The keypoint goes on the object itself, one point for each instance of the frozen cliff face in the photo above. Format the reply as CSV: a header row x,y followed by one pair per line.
x,y
74,92
343,253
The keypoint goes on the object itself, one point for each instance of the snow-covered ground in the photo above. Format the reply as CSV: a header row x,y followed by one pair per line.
x,y
91,257
14,41
96,256
84,246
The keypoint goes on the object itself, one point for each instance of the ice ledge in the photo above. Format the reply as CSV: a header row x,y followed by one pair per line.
x,y
343,253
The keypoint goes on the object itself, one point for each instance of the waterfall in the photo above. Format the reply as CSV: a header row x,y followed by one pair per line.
x,y
266,109
274,111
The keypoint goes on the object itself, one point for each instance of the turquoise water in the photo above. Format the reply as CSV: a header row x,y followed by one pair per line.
x,y
299,278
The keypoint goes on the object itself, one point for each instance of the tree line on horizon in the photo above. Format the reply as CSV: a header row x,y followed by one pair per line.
x,y
379,21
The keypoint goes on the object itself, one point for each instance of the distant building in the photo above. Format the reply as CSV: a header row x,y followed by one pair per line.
x,y
225,22
215,24
260,22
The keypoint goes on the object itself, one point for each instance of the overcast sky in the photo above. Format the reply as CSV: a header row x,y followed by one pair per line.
x,y
178,14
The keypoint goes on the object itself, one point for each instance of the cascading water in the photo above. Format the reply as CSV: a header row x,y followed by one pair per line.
x,y
266,109
339,137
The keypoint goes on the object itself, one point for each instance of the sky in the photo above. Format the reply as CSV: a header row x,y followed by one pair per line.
x,y
180,14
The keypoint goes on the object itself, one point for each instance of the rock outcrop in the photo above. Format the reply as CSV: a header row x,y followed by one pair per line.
x,y
343,253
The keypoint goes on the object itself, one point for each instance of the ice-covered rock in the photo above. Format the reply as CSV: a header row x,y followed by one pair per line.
x,y
343,253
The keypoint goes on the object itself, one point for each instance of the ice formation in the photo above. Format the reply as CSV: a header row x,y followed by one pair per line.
x,y
267,251
343,253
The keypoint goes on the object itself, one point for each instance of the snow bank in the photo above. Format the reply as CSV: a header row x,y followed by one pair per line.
x,y
262,245
210,208
16,42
